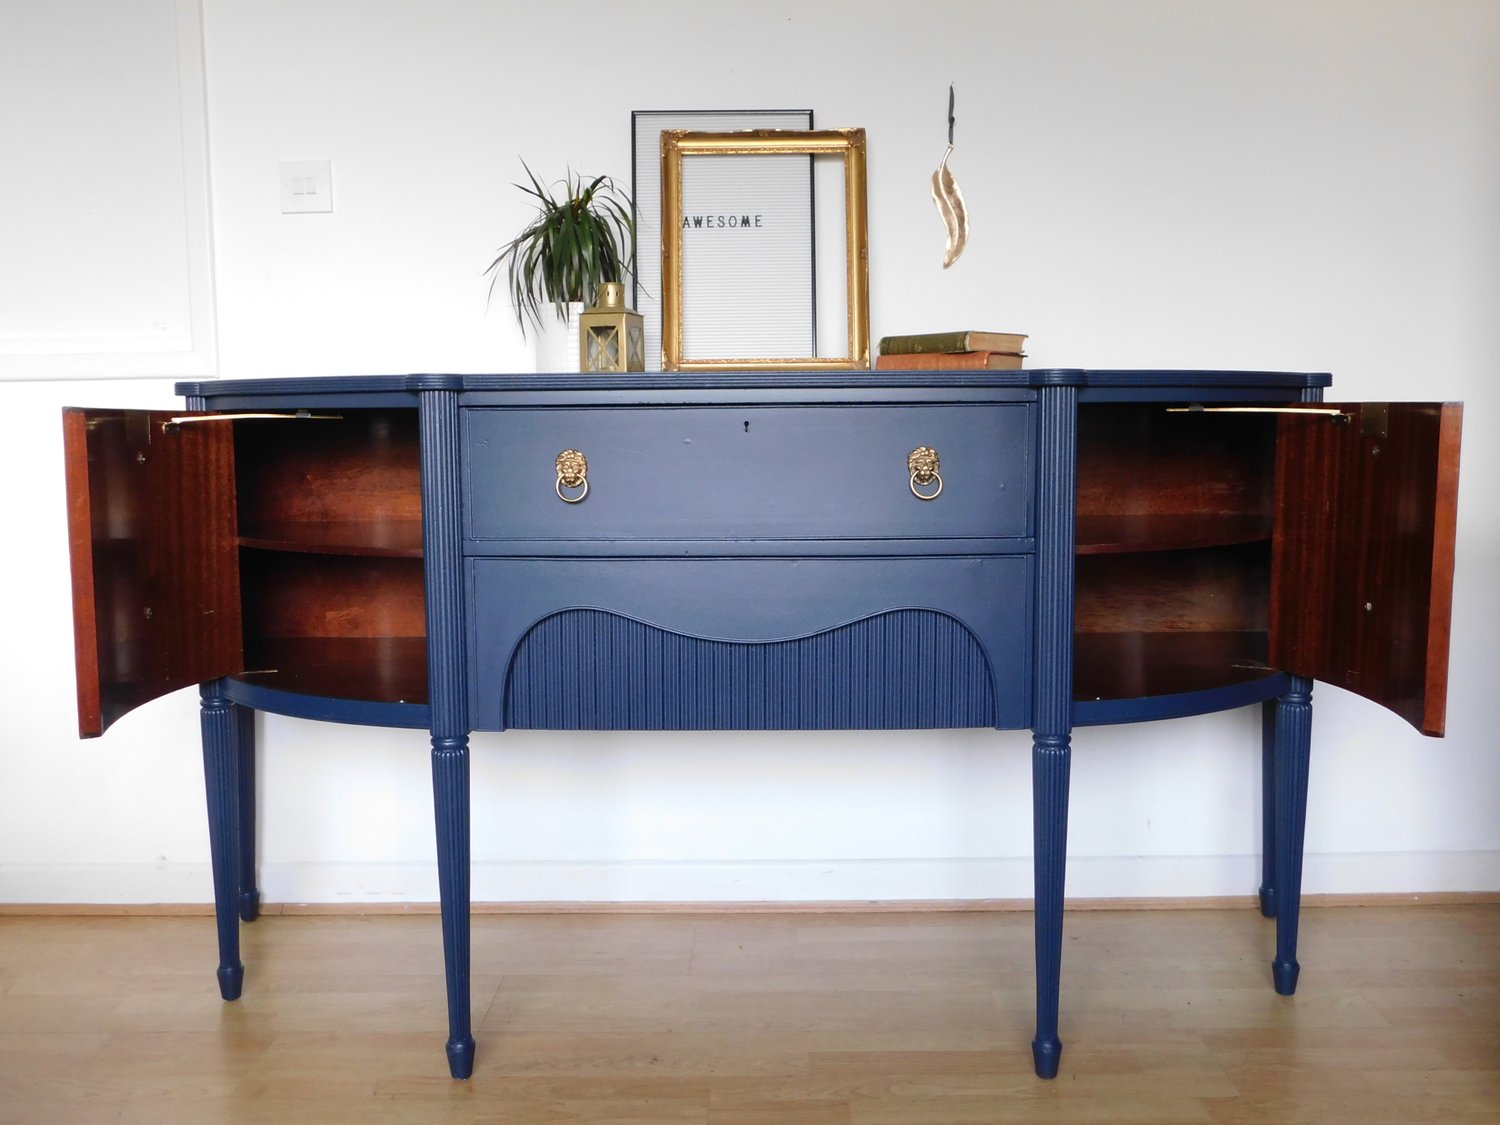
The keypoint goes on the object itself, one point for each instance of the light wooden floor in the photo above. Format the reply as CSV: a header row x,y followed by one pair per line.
x,y
846,1019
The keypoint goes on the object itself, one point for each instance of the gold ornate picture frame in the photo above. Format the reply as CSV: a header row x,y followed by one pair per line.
x,y
646,126
680,145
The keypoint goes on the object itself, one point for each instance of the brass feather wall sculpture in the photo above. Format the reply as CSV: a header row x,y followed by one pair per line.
x,y
950,200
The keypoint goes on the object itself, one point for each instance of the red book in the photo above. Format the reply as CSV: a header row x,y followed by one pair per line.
x,y
929,361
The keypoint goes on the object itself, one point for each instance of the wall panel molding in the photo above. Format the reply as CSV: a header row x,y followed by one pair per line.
x,y
106,235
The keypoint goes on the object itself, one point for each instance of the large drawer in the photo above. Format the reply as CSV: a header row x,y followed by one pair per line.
x,y
788,472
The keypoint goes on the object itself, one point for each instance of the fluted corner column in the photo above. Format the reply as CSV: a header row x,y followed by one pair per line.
x,y
442,536
1052,719
1270,883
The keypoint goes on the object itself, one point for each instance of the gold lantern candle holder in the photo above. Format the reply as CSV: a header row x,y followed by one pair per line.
x,y
611,335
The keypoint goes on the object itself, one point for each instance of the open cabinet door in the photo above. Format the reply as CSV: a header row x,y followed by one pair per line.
x,y
1362,554
151,528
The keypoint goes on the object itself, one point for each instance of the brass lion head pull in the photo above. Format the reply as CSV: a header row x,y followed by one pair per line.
x,y
572,474
923,464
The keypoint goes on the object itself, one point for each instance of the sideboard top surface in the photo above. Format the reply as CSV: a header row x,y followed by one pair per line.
x,y
1145,380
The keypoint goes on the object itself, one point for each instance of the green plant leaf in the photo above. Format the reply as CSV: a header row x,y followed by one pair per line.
x,y
583,234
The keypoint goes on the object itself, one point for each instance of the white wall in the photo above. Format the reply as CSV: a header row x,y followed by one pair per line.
x,y
1306,185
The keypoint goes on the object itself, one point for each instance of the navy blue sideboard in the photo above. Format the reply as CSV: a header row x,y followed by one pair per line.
x,y
877,550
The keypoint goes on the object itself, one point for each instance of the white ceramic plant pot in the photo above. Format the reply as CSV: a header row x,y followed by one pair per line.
x,y
557,342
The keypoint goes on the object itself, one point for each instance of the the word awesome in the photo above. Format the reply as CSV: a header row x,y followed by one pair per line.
x,y
726,222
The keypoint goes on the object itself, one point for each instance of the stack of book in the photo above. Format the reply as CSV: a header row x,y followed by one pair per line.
x,y
983,351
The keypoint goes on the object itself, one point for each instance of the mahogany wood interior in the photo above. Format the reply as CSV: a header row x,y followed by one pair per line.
x,y
330,515
1209,589
399,539
376,669
1149,478
290,594
1174,523
1139,665
1164,622
152,533
1124,534
351,484
1365,514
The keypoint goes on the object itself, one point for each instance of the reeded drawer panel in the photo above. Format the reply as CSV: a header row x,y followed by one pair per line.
x,y
750,644
798,472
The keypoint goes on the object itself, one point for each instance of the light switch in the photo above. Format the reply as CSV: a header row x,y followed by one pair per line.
x,y
306,185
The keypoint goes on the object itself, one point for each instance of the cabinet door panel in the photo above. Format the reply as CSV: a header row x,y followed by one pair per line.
x,y
151,527
1362,558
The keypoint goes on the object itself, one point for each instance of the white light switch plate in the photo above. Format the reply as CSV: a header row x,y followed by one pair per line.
x,y
306,185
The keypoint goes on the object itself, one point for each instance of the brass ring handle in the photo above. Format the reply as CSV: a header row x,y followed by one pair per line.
x,y
923,464
572,473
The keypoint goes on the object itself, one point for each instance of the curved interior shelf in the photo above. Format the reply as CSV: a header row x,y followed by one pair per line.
x,y
1146,709
331,566
1127,534
1109,666
1173,562
395,539
372,669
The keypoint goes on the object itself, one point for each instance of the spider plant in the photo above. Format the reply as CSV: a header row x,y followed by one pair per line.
x,y
583,235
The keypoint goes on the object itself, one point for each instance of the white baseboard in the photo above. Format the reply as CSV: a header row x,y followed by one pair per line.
x,y
1089,877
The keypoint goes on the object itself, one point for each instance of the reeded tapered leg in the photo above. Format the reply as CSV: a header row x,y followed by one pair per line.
x,y
244,755
442,539
450,791
221,777
1050,767
1052,718
1293,752
1268,808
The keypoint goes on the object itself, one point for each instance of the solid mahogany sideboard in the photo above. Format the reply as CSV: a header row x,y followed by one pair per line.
x,y
1037,549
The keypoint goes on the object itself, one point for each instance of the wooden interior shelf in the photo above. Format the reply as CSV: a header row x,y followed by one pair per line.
x,y
1124,534
377,669
1174,520
362,467
331,561
1138,665
395,539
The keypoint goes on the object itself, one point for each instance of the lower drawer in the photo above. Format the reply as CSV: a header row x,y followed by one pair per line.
x,y
750,644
